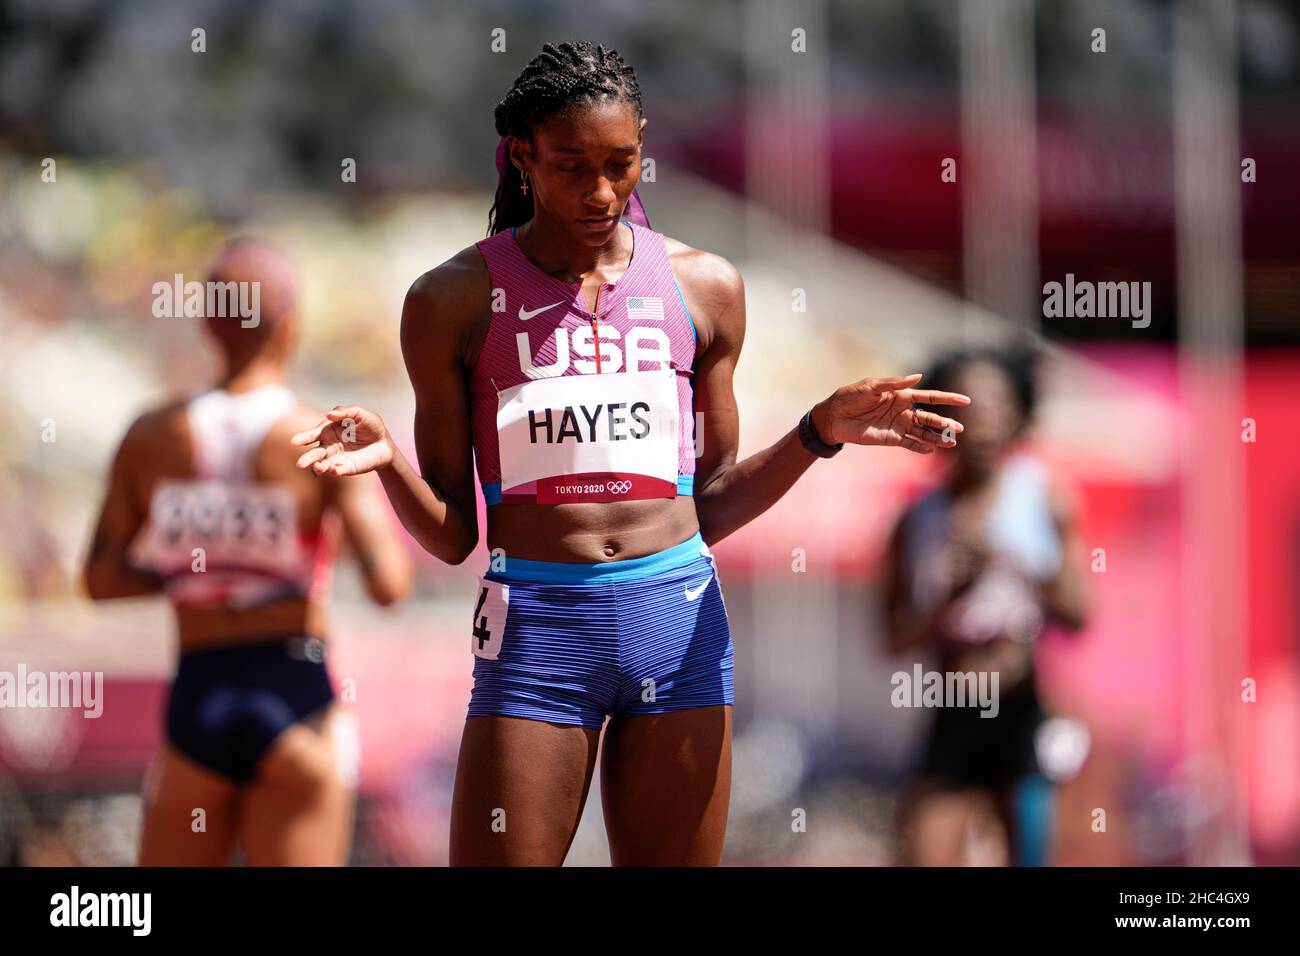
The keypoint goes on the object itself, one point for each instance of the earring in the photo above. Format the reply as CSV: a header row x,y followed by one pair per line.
x,y
523,186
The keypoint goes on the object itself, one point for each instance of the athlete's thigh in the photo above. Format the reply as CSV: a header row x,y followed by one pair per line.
x,y
934,827
520,788
666,786
189,813
298,809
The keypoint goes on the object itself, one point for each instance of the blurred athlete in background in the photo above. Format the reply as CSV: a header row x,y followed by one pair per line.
x,y
976,568
204,504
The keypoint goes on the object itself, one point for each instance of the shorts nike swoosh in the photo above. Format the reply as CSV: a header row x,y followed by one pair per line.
x,y
692,595
525,314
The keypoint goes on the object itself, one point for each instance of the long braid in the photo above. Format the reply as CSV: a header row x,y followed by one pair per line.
x,y
555,81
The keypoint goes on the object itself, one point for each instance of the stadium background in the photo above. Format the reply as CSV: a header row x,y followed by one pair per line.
x,y
816,171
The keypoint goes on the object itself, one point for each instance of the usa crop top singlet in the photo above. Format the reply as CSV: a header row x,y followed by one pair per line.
x,y
567,406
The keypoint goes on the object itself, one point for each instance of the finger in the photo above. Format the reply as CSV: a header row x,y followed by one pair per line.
x,y
920,447
870,389
319,457
929,396
329,465
920,431
926,433
342,465
932,438
936,429
310,435
340,412
313,456
931,422
895,381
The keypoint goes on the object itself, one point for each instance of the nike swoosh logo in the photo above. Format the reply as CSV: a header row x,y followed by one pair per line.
x,y
525,314
692,595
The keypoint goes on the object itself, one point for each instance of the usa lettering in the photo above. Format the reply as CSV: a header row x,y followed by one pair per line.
x,y
641,345
546,427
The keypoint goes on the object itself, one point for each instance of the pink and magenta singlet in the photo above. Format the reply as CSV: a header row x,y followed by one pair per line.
x,y
571,407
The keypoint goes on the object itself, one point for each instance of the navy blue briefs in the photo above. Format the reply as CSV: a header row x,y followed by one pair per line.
x,y
228,704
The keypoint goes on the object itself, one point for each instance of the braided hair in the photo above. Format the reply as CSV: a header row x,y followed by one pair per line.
x,y
555,81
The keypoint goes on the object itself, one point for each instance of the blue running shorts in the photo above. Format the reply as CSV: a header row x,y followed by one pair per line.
x,y
574,643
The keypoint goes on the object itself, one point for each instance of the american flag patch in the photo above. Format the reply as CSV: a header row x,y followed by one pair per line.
x,y
645,310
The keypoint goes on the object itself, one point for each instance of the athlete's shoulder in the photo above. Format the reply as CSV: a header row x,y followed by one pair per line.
x,y
462,276
158,424
1064,499
712,288
446,298
1028,470
707,272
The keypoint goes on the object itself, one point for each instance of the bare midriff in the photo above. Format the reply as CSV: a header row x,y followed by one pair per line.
x,y
591,533
204,626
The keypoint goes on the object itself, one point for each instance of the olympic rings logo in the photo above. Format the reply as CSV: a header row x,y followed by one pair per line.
x,y
619,487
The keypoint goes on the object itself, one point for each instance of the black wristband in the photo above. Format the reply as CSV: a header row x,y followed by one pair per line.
x,y
812,441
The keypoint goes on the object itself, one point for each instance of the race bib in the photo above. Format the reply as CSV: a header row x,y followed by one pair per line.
x,y
240,526
584,438
491,606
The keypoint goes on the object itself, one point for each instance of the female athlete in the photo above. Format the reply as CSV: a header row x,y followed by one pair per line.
x,y
204,503
975,570
568,354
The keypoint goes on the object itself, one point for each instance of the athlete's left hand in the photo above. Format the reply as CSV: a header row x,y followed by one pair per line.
x,y
882,411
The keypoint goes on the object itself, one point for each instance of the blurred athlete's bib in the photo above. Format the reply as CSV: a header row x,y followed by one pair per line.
x,y
233,542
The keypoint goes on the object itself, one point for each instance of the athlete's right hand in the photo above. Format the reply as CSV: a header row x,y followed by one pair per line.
x,y
351,441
